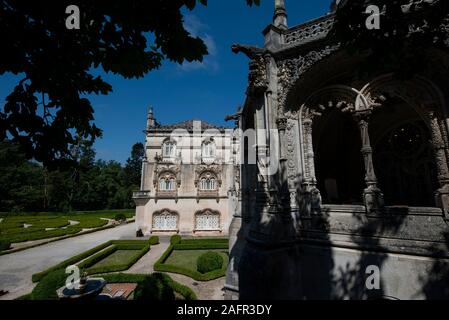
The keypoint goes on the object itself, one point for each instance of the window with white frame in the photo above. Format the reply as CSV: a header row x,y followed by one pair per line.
x,y
169,149
165,221
207,221
167,184
208,184
208,150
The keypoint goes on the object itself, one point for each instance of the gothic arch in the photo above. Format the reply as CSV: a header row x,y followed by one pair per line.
x,y
165,220
207,220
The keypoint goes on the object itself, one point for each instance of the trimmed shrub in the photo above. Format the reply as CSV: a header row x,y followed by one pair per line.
x,y
46,288
154,287
154,240
209,261
4,245
175,239
121,217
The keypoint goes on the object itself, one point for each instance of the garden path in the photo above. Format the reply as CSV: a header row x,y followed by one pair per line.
x,y
17,268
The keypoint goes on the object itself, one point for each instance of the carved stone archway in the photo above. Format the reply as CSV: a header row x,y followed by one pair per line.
x,y
429,103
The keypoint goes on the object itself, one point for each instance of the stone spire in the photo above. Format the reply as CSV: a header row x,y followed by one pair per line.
x,y
280,14
151,121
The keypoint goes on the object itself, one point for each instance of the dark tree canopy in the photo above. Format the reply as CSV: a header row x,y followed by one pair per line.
x,y
47,111
407,29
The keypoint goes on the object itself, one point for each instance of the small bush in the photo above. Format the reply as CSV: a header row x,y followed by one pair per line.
x,y
4,245
175,239
208,262
154,240
154,287
121,217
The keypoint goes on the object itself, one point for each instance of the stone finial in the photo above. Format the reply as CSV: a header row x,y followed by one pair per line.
x,y
151,120
280,14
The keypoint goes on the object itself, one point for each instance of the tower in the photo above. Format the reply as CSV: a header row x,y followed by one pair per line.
x,y
151,121
280,14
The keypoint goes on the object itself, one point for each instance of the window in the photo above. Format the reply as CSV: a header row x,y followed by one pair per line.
x,y
208,184
165,221
208,150
169,149
167,184
207,221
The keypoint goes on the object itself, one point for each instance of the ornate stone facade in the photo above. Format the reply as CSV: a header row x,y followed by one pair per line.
x,y
186,188
363,176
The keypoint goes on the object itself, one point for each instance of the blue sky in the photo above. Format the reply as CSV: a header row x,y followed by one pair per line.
x,y
208,90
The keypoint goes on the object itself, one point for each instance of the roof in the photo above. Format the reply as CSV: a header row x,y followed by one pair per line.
x,y
187,125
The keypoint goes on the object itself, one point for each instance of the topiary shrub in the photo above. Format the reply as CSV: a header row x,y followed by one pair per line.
x,y
154,287
154,240
175,239
209,261
120,217
4,245
46,288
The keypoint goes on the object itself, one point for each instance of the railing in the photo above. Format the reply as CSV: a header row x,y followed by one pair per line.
x,y
310,31
141,194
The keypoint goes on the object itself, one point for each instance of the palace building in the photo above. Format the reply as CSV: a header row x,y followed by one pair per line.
x,y
187,179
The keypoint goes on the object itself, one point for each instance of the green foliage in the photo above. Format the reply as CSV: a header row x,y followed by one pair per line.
x,y
185,291
175,239
46,288
120,217
208,262
154,287
161,266
154,240
71,261
85,185
4,245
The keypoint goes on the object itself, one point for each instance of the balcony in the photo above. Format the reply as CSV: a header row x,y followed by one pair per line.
x,y
207,194
141,194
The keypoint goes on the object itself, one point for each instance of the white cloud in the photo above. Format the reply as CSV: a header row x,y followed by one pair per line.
x,y
199,29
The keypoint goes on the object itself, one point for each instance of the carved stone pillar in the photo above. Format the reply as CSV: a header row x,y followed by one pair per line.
x,y
372,195
439,150
312,192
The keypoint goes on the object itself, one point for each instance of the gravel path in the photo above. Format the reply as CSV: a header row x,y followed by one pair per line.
x,y
17,268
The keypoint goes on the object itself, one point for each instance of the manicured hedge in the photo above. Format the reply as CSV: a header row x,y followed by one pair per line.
x,y
94,251
71,261
193,244
154,240
175,239
118,267
185,291
154,287
46,288
4,245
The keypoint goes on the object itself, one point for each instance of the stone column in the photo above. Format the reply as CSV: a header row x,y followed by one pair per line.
x,y
439,150
372,195
144,173
312,192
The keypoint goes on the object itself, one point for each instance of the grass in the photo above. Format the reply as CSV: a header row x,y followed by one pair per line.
x,y
180,257
117,257
12,227
188,258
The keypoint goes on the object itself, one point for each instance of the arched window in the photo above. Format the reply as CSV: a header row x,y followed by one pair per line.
x,y
165,221
167,184
208,184
207,220
208,150
169,150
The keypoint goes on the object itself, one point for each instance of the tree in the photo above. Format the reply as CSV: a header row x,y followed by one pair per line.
x,y
47,110
407,29
133,168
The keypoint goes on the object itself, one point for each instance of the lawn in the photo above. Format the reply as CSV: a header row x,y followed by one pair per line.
x,y
36,226
119,257
187,258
